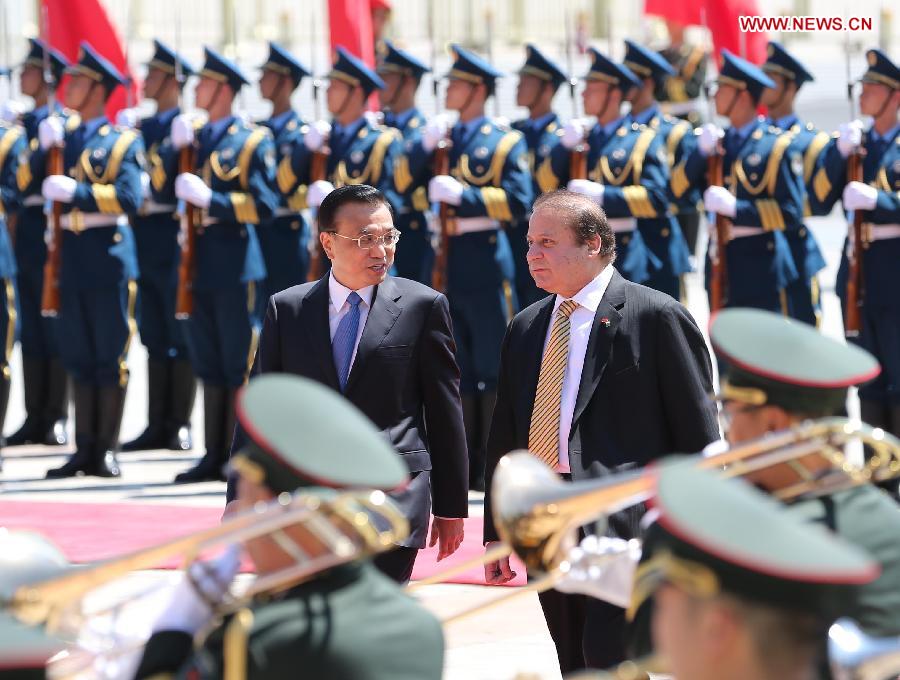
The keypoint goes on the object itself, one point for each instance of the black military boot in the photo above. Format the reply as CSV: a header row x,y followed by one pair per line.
x,y
34,373
82,461
182,391
154,437
210,466
56,408
4,402
111,402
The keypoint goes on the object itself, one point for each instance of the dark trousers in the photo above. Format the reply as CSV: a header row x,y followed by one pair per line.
x,y
160,331
397,563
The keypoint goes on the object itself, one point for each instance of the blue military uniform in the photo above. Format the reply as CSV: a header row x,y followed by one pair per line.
x,y
629,159
12,143
171,383
880,318
808,144
236,160
680,94
415,255
45,381
663,234
540,138
285,238
770,196
98,290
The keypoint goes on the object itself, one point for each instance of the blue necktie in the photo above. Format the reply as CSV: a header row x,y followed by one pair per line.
x,y
345,339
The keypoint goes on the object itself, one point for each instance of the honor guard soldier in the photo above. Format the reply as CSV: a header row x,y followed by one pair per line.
x,y
789,75
348,622
539,80
45,379
663,234
101,186
680,94
762,194
170,377
284,239
876,195
627,169
12,143
402,73
231,192
487,188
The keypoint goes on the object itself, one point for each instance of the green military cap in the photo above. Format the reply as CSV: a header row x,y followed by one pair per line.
x,y
719,535
26,558
25,651
773,360
302,433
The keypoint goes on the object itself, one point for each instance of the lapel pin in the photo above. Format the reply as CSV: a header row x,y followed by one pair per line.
x,y
605,321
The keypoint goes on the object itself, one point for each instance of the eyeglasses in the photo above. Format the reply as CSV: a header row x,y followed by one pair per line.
x,y
369,241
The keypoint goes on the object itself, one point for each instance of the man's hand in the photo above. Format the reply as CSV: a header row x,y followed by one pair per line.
x,y
448,534
498,572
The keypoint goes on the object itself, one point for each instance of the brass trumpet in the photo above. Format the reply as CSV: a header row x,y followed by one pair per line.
x,y
856,656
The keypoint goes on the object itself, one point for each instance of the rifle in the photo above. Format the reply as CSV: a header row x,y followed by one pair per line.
x,y
858,242
578,155
50,297
440,166
187,267
318,166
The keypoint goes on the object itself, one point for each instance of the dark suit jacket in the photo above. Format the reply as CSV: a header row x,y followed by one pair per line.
x,y
644,393
404,378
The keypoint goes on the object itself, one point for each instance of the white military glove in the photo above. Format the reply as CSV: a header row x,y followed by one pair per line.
x,y
127,118
51,132
601,567
193,190
586,187
445,189
573,133
720,200
434,131
849,137
188,609
317,192
375,118
317,135
183,125
859,196
145,185
59,188
11,110
708,138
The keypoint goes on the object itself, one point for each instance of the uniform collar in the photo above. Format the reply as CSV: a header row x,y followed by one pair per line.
x,y
401,119
278,122
592,294
90,127
610,128
647,115
742,132
542,122
466,128
167,115
338,292
786,122
873,134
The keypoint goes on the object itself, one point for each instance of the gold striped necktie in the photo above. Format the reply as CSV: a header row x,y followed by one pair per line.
x,y
543,434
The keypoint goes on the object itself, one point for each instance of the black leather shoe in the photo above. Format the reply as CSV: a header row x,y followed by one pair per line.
x,y
79,463
209,469
181,439
182,392
154,437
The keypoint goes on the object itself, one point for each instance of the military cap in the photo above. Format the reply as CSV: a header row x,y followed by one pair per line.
x,y
743,75
606,70
773,360
25,650
353,71
722,536
881,70
471,68
91,64
301,433
220,69
780,61
400,61
164,59
538,65
646,63
58,62
26,558
283,62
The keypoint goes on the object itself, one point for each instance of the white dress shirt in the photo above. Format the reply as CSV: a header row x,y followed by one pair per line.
x,y
580,323
338,308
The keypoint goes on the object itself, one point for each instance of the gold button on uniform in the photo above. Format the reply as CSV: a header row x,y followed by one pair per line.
x,y
665,232
117,237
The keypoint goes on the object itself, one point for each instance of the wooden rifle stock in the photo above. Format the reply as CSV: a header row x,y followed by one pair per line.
x,y
578,162
718,282
50,302
855,287
442,167
318,170
184,300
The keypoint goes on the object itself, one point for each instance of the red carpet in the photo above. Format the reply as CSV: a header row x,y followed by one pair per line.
x,y
88,532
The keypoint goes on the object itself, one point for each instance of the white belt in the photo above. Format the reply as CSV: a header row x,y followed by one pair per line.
x,y
741,232
32,201
208,221
621,224
81,220
154,208
468,225
681,108
286,212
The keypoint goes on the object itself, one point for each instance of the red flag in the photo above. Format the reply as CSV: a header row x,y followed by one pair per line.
x,y
684,12
351,28
71,21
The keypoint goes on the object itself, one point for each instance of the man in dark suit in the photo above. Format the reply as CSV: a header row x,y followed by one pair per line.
x,y
386,344
602,376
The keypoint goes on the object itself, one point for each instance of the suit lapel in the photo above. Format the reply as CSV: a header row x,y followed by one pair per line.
x,y
318,329
534,347
603,331
381,319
